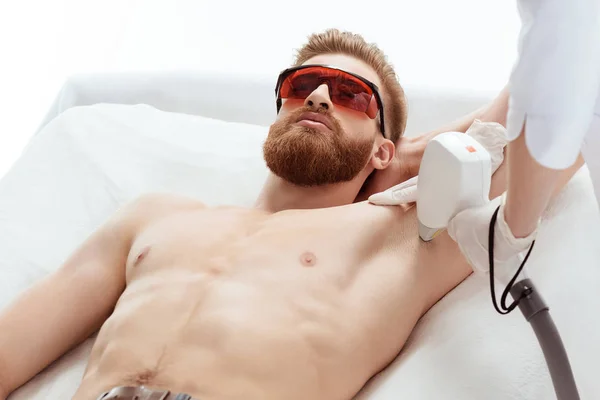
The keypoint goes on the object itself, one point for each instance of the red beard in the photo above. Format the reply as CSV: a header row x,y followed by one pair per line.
x,y
309,157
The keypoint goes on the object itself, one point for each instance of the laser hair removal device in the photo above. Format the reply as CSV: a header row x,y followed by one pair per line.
x,y
455,174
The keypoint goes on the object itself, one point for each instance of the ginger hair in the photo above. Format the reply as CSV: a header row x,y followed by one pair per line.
x,y
334,41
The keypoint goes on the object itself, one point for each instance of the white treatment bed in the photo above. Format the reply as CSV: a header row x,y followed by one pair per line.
x,y
109,138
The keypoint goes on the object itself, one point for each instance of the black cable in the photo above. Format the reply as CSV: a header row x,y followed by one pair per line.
x,y
505,310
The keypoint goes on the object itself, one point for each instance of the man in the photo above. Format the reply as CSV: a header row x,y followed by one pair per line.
x,y
305,296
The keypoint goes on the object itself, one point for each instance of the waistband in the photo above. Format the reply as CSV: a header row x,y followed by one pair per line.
x,y
142,393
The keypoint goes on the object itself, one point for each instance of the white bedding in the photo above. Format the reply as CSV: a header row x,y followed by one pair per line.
x,y
90,160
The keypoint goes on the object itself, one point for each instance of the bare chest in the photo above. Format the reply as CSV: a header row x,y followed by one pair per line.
x,y
225,242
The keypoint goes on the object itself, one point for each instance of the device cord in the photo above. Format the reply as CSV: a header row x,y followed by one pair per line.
x,y
537,313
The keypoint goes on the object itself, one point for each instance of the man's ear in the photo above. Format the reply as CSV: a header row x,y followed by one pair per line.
x,y
384,154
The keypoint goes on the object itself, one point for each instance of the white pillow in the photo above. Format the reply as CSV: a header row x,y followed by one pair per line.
x,y
92,159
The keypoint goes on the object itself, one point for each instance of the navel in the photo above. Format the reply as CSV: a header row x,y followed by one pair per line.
x,y
141,256
308,259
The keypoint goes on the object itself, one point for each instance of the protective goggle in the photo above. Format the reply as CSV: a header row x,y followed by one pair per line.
x,y
345,88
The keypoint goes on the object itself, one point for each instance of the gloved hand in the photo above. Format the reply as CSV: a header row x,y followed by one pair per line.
x,y
491,135
470,230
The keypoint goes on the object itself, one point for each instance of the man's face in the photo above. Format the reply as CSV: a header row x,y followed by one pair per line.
x,y
316,142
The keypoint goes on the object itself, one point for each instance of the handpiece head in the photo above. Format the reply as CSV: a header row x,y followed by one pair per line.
x,y
455,174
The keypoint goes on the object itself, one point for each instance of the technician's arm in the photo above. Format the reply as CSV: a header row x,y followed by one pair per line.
x,y
553,88
64,308
530,188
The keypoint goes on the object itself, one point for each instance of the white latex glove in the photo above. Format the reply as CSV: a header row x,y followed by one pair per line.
x,y
491,135
404,193
470,229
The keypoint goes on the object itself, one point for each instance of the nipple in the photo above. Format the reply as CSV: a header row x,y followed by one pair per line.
x,y
308,259
141,256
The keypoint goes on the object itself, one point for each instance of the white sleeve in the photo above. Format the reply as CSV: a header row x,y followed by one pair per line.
x,y
556,78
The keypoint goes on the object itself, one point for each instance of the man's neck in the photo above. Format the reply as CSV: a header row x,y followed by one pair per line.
x,y
278,195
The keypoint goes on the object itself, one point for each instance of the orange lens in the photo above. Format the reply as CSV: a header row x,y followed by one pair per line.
x,y
345,89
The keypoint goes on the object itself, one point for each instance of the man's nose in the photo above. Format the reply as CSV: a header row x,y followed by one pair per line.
x,y
319,98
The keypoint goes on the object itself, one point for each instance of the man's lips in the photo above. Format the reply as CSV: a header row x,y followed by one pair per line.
x,y
315,120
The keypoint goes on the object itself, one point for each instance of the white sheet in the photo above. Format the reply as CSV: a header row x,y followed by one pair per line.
x,y
88,161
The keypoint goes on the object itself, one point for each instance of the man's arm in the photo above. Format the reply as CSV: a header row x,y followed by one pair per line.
x,y
492,112
496,111
67,306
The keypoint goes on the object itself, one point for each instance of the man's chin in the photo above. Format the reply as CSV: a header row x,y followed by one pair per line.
x,y
316,172
309,156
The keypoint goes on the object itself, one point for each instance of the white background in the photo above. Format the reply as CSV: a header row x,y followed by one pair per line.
x,y
458,44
